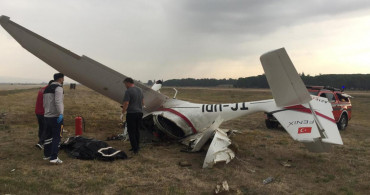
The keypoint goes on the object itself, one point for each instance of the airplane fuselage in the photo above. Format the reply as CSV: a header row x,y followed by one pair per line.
x,y
180,119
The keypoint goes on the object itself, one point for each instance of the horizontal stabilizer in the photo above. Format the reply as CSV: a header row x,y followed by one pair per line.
x,y
312,124
285,83
323,112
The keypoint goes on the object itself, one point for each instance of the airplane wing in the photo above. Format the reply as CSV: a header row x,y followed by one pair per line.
x,y
80,68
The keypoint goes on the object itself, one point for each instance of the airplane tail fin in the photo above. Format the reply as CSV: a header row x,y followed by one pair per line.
x,y
308,119
286,85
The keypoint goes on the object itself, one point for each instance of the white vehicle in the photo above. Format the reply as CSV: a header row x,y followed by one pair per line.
x,y
308,119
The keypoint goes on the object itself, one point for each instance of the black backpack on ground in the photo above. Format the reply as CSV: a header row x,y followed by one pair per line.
x,y
89,149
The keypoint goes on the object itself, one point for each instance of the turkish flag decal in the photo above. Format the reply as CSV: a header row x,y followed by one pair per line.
x,y
304,130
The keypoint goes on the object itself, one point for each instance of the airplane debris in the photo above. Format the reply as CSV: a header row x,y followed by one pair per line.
x,y
222,187
286,163
268,180
218,150
252,170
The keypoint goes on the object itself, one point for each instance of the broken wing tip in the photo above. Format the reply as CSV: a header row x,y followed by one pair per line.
x,y
4,18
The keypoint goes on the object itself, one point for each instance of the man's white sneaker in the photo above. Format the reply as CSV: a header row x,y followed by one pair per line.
x,y
46,158
56,161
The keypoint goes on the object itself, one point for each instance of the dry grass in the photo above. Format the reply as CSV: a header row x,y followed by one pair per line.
x,y
155,169
17,86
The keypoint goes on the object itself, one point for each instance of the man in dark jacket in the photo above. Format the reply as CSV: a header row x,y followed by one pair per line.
x,y
39,111
54,108
133,103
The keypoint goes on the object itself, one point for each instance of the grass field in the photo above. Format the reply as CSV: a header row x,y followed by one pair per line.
x,y
5,86
156,171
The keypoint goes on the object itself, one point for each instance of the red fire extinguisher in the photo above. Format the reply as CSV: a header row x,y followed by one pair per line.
x,y
79,120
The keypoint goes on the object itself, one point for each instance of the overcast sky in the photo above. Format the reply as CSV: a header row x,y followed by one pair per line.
x,y
167,39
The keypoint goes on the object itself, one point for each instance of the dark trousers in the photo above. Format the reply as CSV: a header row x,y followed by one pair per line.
x,y
133,126
53,134
42,128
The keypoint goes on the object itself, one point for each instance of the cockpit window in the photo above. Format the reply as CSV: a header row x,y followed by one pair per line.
x,y
330,96
314,92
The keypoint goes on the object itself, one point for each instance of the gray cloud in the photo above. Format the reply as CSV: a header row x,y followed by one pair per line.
x,y
165,38
257,16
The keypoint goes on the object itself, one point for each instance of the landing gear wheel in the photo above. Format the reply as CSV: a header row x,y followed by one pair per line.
x,y
343,122
271,124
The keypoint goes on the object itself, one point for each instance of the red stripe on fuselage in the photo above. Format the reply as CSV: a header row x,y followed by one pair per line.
x,y
301,108
181,116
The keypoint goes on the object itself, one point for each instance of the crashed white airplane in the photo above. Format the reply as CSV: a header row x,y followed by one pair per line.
x,y
194,124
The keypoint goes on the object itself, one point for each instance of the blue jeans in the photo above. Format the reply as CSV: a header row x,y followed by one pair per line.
x,y
53,135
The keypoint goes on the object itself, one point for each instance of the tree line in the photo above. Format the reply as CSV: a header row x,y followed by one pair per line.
x,y
348,81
